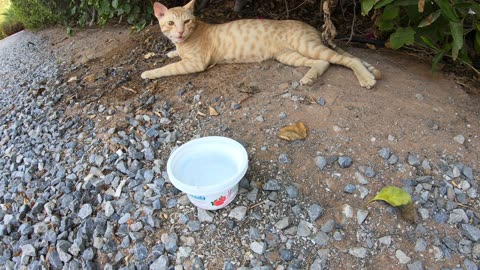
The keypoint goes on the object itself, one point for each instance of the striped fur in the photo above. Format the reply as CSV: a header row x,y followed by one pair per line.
x,y
294,43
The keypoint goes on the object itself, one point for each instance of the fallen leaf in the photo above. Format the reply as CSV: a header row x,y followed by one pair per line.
x,y
399,198
297,131
421,6
371,46
89,79
212,111
149,55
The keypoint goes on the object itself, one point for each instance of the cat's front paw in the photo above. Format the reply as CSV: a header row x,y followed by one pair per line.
x,y
146,75
172,54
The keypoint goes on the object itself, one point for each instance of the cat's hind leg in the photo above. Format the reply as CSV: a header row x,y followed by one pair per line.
x,y
317,67
372,69
321,52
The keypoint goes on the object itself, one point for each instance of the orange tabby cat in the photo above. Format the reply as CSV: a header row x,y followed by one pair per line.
x,y
294,43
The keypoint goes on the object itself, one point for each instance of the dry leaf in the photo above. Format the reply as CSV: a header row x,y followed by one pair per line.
x,y
399,198
297,131
421,5
149,55
201,113
212,111
371,46
89,79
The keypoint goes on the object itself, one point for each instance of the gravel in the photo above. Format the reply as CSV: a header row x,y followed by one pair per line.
x,y
72,199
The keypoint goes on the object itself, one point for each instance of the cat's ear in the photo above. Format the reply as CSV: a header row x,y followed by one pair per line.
x,y
190,5
159,10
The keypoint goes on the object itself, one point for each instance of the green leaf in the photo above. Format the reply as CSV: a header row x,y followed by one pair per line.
x,y
406,2
447,10
367,5
115,4
430,19
399,198
403,35
392,195
385,25
382,3
429,43
69,31
390,12
456,28
127,8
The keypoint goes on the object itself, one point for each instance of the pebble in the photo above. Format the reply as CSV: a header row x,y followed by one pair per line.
x,y
349,188
359,252
361,179
160,264
283,223
413,160
385,240
361,216
238,213
393,159
402,257
194,225
459,139
258,247
283,159
417,265
471,232
204,215
292,192
271,185
345,162
385,153
303,229
370,173
85,211
321,162
286,255
315,211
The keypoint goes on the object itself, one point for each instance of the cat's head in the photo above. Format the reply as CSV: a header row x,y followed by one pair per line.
x,y
176,23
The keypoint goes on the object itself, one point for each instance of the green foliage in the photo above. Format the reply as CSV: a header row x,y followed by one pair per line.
x,y
87,12
33,13
447,27
8,25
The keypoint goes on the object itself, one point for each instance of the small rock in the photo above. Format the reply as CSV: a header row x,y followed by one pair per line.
x,y
85,211
350,188
470,265
282,115
385,240
385,153
271,185
315,211
303,229
238,213
283,223
160,264
361,216
286,255
204,215
283,159
29,250
260,118
197,264
361,179
321,101
194,225
258,247
402,257
359,252
140,251
321,239
370,173
345,162
393,159
413,160
471,232
109,210
321,162
292,192
459,139
415,266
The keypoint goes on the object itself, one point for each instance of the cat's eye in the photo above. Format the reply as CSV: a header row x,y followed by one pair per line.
x,y
187,21
171,23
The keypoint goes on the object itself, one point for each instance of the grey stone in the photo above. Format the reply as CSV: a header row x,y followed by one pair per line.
x,y
197,264
283,159
136,226
459,139
194,225
109,210
204,215
292,192
421,245
385,240
253,194
471,232
402,257
318,264
413,160
465,246
470,265
321,101
468,172
349,188
345,162
370,172
254,233
238,213
361,216
450,243
457,216
361,179
321,162
417,265
271,185
29,250
160,264
315,211
328,226
85,211
62,247
393,159
385,153
283,223
286,255
303,229
321,239
170,242
88,254
140,251
258,247
359,252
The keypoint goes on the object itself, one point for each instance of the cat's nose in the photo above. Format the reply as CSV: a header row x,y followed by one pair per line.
x,y
180,33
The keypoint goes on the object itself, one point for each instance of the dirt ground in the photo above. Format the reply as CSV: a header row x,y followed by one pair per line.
x,y
423,113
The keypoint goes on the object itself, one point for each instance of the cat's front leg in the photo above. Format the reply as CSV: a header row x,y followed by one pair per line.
x,y
172,54
178,68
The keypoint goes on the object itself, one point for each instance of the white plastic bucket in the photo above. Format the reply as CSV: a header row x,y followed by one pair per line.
x,y
208,169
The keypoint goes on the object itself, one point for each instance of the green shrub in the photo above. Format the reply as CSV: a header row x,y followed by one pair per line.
x,y
35,13
448,28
